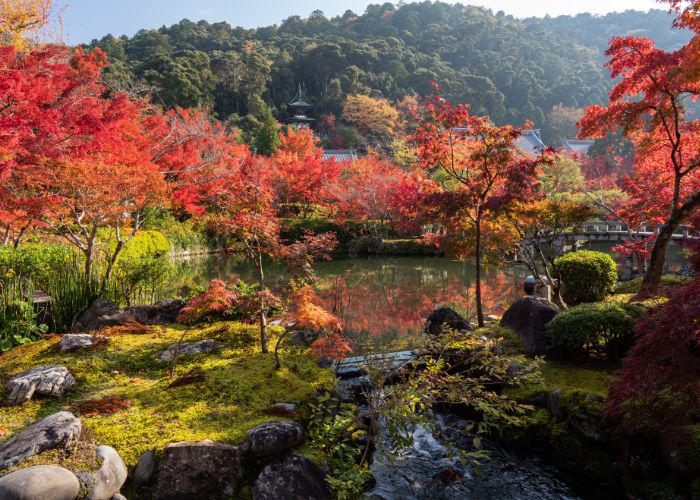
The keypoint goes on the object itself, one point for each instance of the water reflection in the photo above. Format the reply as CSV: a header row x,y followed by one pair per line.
x,y
383,299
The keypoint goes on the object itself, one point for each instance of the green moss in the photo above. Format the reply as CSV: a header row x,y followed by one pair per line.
x,y
591,379
667,280
690,453
239,384
511,341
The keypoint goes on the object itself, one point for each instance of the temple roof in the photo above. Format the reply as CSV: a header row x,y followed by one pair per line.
x,y
576,145
299,100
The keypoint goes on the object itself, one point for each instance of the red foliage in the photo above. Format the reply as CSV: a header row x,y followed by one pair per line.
x,y
658,388
216,303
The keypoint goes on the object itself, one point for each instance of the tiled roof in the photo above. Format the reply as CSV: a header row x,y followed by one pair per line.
x,y
531,142
340,155
576,146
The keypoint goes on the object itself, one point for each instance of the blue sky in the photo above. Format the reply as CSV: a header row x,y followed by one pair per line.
x,y
84,20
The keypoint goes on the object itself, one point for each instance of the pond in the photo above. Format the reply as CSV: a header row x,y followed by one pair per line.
x,y
384,300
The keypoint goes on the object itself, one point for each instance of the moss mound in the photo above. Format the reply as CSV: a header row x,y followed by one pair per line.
x,y
127,400
667,280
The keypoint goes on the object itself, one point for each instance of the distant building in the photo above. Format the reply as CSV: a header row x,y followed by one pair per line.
x,y
576,146
531,142
299,110
340,155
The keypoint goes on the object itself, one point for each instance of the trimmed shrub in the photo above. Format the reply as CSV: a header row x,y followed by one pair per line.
x,y
598,328
632,286
588,276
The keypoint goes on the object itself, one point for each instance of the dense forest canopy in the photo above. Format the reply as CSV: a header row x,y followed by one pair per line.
x,y
509,69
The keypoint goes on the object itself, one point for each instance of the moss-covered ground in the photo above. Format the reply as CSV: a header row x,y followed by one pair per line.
x,y
124,397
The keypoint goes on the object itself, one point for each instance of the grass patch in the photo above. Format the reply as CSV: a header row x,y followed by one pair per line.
x,y
132,404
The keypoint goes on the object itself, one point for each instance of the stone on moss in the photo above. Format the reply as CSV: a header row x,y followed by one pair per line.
x,y
51,381
73,341
110,477
528,317
41,482
189,349
55,431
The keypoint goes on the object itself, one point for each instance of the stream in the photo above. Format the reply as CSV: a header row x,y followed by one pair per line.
x,y
430,470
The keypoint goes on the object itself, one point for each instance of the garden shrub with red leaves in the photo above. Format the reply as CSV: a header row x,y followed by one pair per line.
x,y
227,301
658,389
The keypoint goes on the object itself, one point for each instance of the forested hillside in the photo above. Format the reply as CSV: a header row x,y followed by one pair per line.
x,y
509,69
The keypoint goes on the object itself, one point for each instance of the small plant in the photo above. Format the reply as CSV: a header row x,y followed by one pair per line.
x,y
588,276
18,325
589,329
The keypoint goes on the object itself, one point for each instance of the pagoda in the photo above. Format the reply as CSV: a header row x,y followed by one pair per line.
x,y
299,109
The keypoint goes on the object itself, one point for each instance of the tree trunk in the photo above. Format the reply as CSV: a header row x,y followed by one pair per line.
x,y
263,308
110,266
655,269
278,363
479,308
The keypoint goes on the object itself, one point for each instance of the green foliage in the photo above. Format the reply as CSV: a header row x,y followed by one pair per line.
x,y
348,474
35,261
18,325
509,339
267,139
632,286
507,68
588,276
143,267
595,328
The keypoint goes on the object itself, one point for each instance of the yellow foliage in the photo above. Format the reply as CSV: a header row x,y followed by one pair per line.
x,y
372,116
20,19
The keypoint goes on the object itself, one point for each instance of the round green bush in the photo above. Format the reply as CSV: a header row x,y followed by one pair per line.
x,y
597,328
588,276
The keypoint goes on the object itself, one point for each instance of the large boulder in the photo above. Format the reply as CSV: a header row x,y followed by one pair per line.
x,y
189,349
103,313
273,438
528,317
55,431
111,476
445,318
162,312
51,381
41,482
74,341
292,478
198,470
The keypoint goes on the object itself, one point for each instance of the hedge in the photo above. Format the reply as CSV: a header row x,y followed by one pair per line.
x,y
588,276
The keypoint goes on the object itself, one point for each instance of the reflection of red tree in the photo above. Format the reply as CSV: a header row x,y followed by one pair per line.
x,y
384,302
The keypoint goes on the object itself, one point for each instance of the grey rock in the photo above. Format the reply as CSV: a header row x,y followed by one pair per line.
x,y
111,475
528,317
103,313
162,312
42,482
190,348
303,337
445,318
554,404
143,472
55,431
292,478
118,496
273,438
51,381
198,470
73,341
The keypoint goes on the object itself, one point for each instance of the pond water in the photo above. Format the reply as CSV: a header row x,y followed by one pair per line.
x,y
384,300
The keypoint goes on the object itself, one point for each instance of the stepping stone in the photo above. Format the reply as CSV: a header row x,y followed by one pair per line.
x,y
55,431
40,482
189,348
292,477
73,341
52,381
